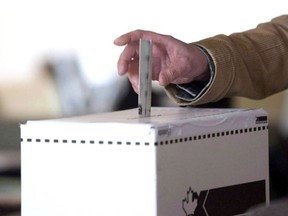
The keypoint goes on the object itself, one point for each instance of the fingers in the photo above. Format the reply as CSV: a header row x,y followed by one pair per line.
x,y
134,36
133,74
129,54
129,58
164,78
129,37
131,50
170,75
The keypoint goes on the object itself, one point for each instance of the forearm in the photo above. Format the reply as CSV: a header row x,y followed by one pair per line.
x,y
251,64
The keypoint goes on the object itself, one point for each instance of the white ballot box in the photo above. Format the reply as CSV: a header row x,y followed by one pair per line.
x,y
178,162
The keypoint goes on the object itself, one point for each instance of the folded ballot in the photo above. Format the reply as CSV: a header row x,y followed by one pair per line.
x,y
178,161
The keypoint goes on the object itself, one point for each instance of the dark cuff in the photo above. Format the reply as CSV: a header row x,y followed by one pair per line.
x,y
192,91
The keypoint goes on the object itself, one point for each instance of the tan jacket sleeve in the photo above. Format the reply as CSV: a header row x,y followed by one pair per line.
x,y
252,64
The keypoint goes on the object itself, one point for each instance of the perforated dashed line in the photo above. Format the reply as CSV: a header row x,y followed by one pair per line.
x,y
212,135
159,143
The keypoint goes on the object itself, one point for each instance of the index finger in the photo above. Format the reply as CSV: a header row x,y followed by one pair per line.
x,y
134,36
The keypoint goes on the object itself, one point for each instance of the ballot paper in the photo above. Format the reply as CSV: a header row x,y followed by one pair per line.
x,y
145,78
178,161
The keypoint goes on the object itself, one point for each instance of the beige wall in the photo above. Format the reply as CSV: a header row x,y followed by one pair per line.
x,y
274,105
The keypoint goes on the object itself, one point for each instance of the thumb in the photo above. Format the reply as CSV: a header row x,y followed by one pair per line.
x,y
166,77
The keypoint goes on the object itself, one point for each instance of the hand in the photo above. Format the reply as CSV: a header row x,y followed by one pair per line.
x,y
173,60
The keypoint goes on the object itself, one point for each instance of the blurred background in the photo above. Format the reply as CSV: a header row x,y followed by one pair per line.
x,y
57,59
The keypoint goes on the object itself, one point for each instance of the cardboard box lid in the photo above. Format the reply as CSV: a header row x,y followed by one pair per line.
x,y
163,120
